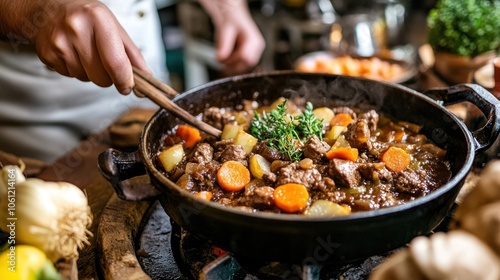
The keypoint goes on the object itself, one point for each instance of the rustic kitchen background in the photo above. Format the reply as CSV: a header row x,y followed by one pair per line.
x,y
291,28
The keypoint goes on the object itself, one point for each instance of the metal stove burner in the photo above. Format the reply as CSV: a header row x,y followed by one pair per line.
x,y
167,252
230,267
201,259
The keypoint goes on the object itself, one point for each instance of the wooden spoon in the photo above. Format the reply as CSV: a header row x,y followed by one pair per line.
x,y
158,92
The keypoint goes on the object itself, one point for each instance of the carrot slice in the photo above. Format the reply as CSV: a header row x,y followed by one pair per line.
x,y
399,135
341,119
189,135
343,153
291,197
232,176
396,159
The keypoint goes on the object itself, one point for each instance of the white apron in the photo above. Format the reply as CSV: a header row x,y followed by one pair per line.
x,y
44,115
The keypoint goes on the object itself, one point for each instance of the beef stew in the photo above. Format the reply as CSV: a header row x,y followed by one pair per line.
x,y
287,157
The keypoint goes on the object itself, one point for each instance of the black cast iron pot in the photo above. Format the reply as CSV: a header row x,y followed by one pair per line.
x,y
299,239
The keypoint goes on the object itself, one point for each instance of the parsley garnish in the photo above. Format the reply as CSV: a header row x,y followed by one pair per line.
x,y
285,132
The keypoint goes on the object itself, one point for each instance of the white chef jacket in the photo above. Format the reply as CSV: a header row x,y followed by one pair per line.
x,y
44,115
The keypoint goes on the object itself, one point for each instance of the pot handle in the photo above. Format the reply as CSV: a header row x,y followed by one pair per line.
x,y
483,99
124,171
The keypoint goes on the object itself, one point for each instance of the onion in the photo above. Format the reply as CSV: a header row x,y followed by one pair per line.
x,y
322,208
52,216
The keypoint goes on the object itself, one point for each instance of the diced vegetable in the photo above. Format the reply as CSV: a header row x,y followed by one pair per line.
x,y
341,142
291,197
205,195
396,159
230,131
259,166
246,140
324,113
189,135
184,182
306,164
399,136
242,118
322,208
343,153
232,176
434,149
276,103
335,132
415,128
171,157
341,119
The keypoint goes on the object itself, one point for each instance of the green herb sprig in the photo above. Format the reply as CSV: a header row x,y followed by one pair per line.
x,y
285,132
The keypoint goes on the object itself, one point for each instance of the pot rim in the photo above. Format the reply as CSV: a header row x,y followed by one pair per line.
x,y
452,183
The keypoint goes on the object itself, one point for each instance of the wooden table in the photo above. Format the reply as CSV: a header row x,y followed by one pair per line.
x,y
79,167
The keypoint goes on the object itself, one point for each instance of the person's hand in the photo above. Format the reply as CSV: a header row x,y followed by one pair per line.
x,y
239,42
82,39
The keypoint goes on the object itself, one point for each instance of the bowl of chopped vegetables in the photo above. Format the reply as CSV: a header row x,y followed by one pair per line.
x,y
374,67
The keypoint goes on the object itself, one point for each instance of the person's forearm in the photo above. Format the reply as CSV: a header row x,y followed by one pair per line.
x,y
76,38
21,20
12,14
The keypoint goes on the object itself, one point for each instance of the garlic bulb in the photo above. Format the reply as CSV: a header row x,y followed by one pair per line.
x,y
53,216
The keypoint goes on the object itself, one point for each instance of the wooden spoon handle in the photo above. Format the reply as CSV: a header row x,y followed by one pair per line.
x,y
157,96
155,82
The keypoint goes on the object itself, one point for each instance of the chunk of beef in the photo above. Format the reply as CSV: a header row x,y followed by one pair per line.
x,y
378,148
411,181
334,196
374,172
217,117
269,177
358,135
315,149
384,175
371,118
388,200
233,152
344,172
292,173
204,174
222,144
326,184
202,153
267,152
366,170
261,198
